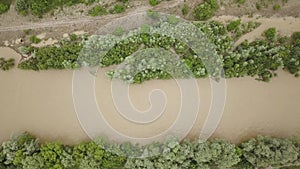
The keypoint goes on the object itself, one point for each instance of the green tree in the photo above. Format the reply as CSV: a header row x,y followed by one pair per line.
x,y
3,8
205,10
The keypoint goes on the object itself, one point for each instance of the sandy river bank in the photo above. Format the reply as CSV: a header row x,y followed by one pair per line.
x,y
41,103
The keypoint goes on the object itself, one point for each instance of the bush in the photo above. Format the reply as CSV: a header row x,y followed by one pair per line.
x,y
118,8
25,152
276,7
263,151
295,37
205,10
241,1
39,7
97,11
258,6
21,6
6,64
233,25
3,8
185,9
154,2
53,57
34,39
118,31
270,34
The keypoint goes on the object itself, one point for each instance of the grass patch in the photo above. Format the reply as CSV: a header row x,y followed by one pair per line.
x,y
97,11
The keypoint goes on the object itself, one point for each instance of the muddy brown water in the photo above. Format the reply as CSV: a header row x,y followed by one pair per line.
x,y
41,103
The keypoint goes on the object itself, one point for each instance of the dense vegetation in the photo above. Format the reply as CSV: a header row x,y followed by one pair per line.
x,y
4,5
62,56
205,10
24,151
39,8
3,8
259,59
97,11
6,64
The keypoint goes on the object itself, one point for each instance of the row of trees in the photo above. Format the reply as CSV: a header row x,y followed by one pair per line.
x,y
24,151
260,58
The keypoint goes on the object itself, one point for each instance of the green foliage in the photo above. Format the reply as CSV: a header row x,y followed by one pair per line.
x,y
266,151
233,25
295,37
241,1
118,8
258,6
63,56
18,148
237,28
97,11
22,7
40,7
173,19
118,31
259,59
292,63
205,10
34,39
154,2
185,9
56,155
276,7
145,28
152,14
270,34
6,64
24,152
3,8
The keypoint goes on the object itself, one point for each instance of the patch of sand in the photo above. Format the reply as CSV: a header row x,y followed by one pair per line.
x,y
47,42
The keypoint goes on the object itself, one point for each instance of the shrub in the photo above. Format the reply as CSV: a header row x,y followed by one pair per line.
x,y
205,10
25,152
258,6
3,8
270,34
34,39
6,64
241,1
97,11
276,7
233,25
154,2
118,31
38,8
21,6
295,37
118,8
264,151
185,9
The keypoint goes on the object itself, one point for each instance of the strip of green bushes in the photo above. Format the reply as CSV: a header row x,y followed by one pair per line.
x,y
259,59
62,56
26,152
39,8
